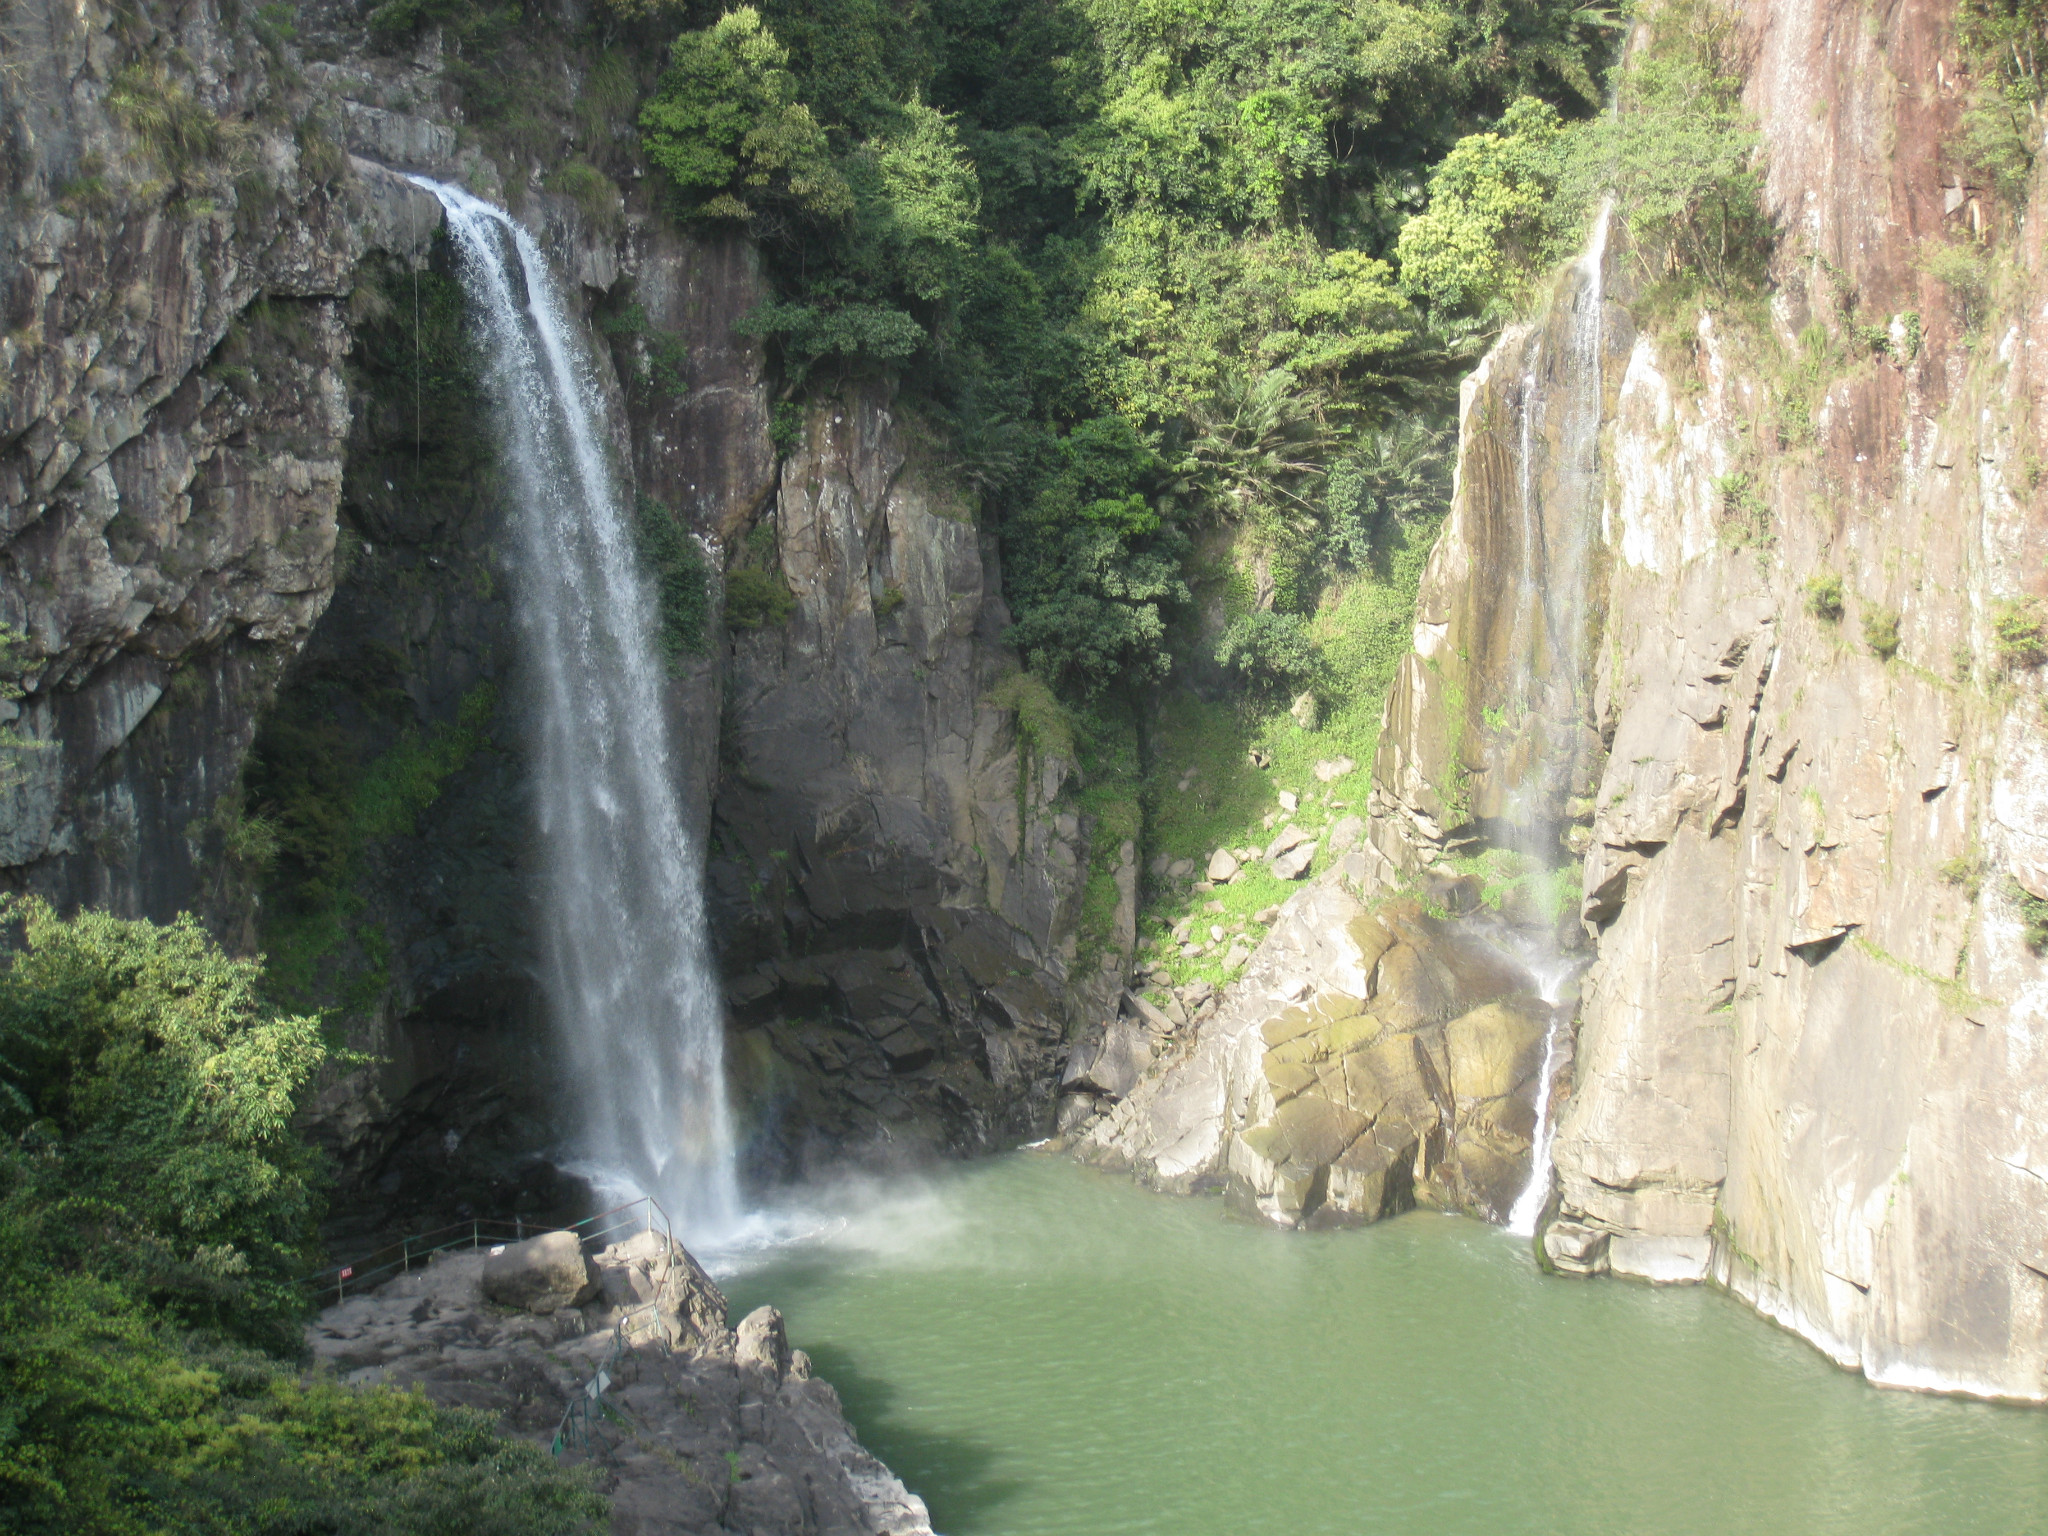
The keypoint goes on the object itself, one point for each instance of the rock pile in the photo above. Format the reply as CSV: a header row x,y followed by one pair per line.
x,y
1367,1061
707,1431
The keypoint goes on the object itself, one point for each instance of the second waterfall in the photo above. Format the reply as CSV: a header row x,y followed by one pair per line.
x,y
627,962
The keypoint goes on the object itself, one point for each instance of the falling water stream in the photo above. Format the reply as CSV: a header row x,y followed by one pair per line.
x,y
1557,529
627,962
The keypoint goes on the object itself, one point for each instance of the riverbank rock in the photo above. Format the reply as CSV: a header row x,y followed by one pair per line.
x,y
1369,1059
709,1432
541,1275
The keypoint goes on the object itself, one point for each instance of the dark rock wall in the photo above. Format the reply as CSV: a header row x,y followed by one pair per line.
x,y
253,534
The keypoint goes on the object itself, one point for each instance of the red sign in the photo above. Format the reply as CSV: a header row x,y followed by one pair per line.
x,y
347,1272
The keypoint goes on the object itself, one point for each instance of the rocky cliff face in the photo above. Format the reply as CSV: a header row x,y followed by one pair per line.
x,y
1794,739
1808,1056
898,875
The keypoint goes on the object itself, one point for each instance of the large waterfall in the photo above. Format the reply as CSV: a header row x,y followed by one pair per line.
x,y
627,963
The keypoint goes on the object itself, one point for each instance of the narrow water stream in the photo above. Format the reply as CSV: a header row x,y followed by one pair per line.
x,y
1036,1348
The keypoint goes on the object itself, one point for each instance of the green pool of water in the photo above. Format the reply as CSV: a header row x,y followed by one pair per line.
x,y
1037,1348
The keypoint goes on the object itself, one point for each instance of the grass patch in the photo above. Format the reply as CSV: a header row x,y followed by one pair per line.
x,y
1203,791
1955,997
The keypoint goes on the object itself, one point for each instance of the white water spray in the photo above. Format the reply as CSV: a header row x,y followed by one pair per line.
x,y
628,967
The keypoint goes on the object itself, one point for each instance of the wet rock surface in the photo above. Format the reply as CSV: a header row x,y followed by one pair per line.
x,y
705,1430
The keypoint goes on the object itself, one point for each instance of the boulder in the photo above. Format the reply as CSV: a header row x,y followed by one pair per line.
x,y
1293,864
1496,1048
1289,800
761,1343
1110,1061
1222,866
1334,768
541,1275
1575,1249
1345,834
1306,712
1289,837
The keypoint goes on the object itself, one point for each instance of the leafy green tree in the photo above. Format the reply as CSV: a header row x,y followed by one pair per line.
x,y
147,1072
1100,571
1272,652
156,1209
1494,220
726,126
1395,475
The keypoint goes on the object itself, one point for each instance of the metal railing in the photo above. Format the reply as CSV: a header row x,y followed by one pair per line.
x,y
572,1431
372,1270
593,1233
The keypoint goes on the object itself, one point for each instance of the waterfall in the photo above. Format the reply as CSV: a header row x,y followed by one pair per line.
x,y
1557,532
626,960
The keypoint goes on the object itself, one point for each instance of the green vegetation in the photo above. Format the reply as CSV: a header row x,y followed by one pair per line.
x,y
2020,630
757,599
326,808
1510,882
1745,513
185,138
2033,916
2006,42
1824,597
681,582
156,1214
1881,631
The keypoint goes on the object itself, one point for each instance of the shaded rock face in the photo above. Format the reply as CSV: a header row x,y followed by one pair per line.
x,y
896,876
713,1433
1369,1060
171,444
1807,1060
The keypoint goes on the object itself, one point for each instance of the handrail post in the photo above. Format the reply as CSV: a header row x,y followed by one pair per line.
x,y
406,1248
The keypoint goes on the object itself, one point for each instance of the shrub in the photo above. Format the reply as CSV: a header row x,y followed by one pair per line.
x,y
757,599
2033,916
2021,633
1824,596
681,579
1881,632
1044,726
1271,652
1745,515
1963,267
593,192
181,134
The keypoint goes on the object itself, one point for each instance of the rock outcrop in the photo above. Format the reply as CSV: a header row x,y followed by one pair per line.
x,y
897,873
255,542
1807,1058
1792,727
1370,1058
706,1431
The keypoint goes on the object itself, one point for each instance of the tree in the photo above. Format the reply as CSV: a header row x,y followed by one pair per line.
x,y
726,126
1493,219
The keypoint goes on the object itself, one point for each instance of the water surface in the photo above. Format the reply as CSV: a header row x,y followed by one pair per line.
x,y
1036,1348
